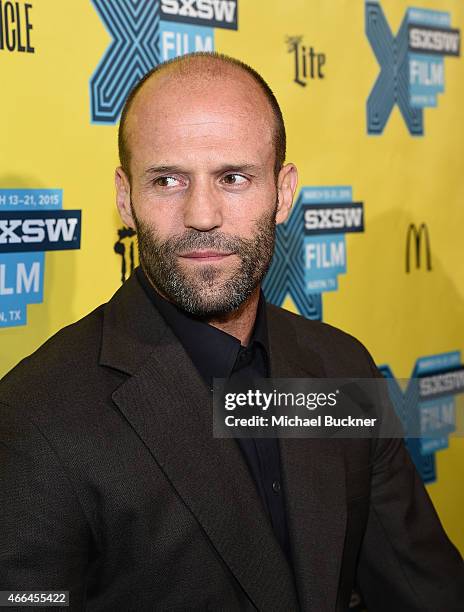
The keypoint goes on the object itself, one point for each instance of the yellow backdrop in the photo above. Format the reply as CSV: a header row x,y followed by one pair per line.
x,y
58,131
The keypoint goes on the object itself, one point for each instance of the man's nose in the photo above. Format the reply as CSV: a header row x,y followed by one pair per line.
x,y
202,207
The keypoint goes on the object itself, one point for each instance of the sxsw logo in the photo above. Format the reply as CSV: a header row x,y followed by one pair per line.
x,y
216,13
31,222
427,406
338,219
412,71
310,251
37,231
145,33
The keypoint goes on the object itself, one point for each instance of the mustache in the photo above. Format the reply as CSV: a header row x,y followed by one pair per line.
x,y
194,239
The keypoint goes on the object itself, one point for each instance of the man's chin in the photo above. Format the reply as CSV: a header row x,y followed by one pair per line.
x,y
210,280
208,292
204,303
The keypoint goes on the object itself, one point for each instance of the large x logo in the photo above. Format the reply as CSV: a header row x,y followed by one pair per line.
x,y
287,271
134,50
392,85
407,404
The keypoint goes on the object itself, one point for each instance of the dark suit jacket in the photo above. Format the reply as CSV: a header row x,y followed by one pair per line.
x,y
113,487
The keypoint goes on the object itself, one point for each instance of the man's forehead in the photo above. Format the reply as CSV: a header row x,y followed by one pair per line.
x,y
203,144
186,99
209,149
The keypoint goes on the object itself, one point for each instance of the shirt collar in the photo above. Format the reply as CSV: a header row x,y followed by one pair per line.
x,y
212,351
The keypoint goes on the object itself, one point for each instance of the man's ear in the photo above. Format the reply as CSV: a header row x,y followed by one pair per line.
x,y
287,182
123,197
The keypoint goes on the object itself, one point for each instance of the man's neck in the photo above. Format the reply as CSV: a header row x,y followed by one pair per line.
x,y
240,322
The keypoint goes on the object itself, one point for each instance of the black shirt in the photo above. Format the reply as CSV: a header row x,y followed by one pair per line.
x,y
217,354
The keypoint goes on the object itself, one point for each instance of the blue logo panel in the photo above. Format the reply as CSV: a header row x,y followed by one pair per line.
x,y
180,38
21,283
411,64
325,259
31,222
426,79
311,248
428,405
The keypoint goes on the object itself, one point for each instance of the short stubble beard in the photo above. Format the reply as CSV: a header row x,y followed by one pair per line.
x,y
201,293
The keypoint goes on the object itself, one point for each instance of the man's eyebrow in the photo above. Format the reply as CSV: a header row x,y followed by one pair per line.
x,y
163,170
245,167
238,168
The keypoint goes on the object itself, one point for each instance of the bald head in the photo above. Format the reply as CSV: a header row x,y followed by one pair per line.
x,y
199,75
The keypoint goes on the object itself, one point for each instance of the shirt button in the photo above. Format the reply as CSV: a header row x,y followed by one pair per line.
x,y
276,486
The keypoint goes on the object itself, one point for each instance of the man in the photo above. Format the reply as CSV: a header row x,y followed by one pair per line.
x,y
113,486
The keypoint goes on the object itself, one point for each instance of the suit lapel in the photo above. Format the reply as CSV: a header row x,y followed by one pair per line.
x,y
169,407
314,482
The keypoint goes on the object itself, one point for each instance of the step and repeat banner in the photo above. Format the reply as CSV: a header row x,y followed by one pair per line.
x,y
373,97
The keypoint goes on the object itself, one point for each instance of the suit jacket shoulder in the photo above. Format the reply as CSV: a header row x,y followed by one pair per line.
x,y
66,357
119,334
330,351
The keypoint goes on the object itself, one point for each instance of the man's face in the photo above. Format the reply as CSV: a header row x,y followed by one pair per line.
x,y
203,194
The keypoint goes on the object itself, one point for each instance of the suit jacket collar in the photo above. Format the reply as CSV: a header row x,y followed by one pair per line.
x,y
170,408
132,329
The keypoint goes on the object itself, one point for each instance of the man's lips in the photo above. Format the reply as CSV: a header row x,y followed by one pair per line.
x,y
205,256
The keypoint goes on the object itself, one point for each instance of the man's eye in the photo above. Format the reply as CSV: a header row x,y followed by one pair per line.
x,y
166,181
234,179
